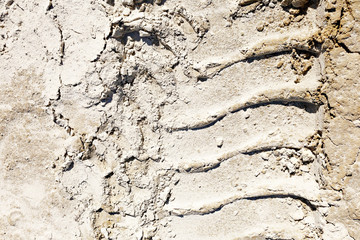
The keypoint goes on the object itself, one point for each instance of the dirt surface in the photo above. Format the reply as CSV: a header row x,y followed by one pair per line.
x,y
180,119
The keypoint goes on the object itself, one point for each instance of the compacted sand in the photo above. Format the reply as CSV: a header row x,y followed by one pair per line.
x,y
179,119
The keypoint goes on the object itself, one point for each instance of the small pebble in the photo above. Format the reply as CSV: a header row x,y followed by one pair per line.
x,y
264,156
219,142
9,3
294,11
280,64
304,168
298,18
287,22
142,8
260,27
307,156
298,215
126,12
144,33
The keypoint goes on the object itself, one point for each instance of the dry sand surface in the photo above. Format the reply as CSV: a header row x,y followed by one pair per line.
x,y
180,119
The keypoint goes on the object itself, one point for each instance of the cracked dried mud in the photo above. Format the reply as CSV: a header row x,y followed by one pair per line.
x,y
164,119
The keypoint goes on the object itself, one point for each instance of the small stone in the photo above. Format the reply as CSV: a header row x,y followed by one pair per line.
x,y
130,43
306,155
67,165
298,215
324,211
73,146
126,12
298,18
150,215
142,8
304,168
9,3
294,11
271,5
144,33
260,27
329,44
264,156
280,64
287,22
219,142
105,233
